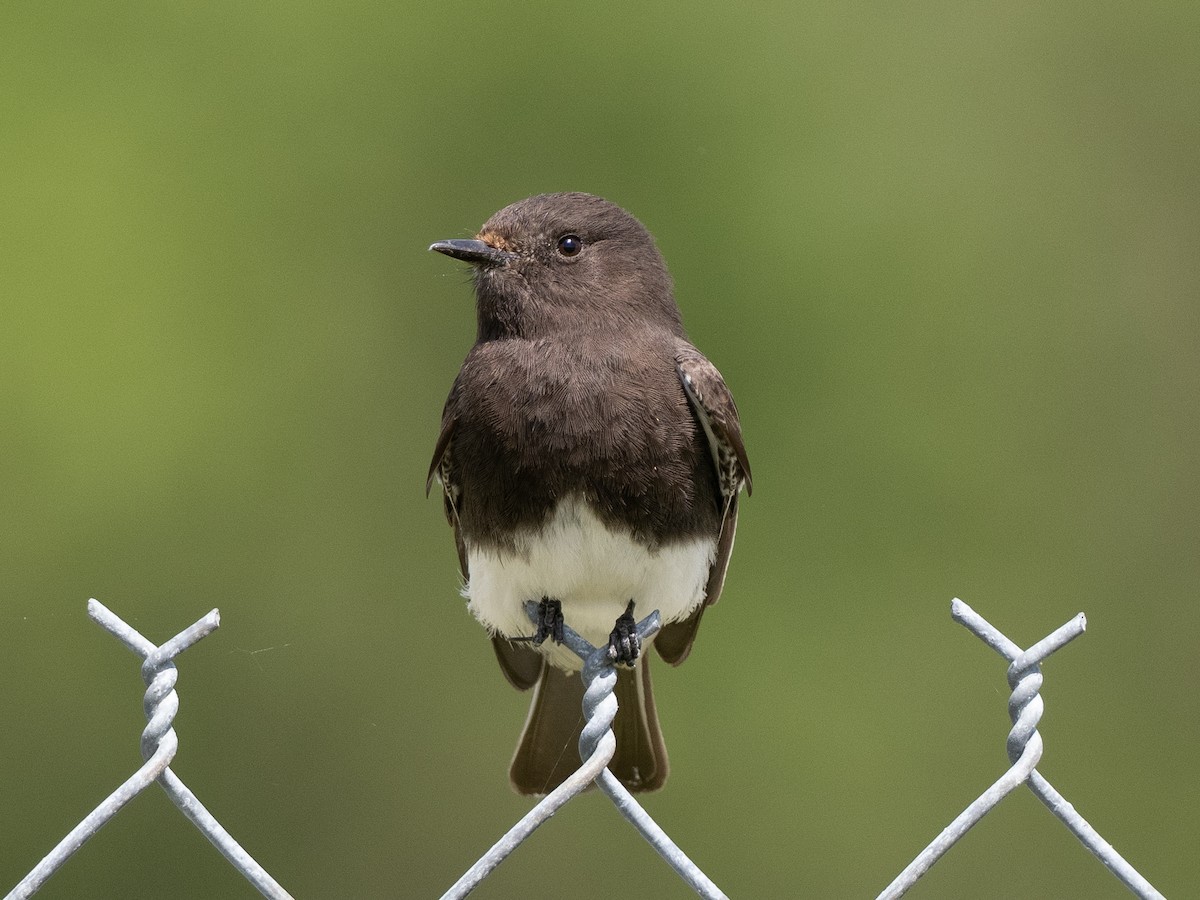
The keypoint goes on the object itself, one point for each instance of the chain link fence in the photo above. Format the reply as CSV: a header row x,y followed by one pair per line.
x,y
596,746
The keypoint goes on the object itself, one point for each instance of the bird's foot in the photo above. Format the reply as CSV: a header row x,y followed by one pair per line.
x,y
624,644
549,623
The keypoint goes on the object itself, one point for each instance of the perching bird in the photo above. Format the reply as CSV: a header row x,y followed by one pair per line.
x,y
591,460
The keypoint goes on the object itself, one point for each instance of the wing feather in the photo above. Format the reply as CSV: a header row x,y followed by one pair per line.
x,y
717,415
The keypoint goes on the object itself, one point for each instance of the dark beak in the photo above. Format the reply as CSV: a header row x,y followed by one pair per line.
x,y
476,252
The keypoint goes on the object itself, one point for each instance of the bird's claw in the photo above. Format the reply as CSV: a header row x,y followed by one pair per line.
x,y
550,622
624,644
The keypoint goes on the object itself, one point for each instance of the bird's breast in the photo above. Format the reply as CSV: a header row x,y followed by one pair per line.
x,y
547,421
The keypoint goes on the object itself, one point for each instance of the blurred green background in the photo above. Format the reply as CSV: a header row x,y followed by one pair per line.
x,y
946,255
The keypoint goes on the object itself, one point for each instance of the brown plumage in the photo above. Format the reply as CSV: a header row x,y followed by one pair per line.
x,y
585,446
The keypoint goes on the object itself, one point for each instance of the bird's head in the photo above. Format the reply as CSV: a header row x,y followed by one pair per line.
x,y
565,262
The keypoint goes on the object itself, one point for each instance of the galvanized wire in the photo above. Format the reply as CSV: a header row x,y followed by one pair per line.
x,y
596,747
597,744
158,745
1024,746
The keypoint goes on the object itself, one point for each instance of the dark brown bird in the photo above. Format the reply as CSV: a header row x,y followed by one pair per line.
x,y
590,458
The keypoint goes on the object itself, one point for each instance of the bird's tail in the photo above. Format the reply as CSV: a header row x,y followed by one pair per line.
x,y
548,751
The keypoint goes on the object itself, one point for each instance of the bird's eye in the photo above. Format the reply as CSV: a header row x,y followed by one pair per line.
x,y
570,245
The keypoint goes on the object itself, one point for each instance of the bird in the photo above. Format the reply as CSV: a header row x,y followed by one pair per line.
x,y
590,460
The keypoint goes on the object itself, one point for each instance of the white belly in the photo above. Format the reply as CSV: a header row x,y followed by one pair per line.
x,y
593,570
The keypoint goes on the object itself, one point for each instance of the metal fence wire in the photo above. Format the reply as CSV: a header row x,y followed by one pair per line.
x,y
596,746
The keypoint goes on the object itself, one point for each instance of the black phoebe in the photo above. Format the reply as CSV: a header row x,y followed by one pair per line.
x,y
591,460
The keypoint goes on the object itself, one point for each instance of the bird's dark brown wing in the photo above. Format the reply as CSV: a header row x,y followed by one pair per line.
x,y
442,470
520,665
717,415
